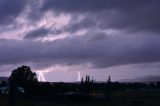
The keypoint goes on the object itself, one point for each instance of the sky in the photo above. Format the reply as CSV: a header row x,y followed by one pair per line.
x,y
65,40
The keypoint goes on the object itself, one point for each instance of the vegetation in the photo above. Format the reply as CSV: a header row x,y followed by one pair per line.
x,y
24,77
87,91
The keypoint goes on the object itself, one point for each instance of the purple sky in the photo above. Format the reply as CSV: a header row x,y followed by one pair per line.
x,y
63,40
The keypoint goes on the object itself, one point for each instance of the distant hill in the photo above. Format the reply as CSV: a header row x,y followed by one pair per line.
x,y
143,79
4,79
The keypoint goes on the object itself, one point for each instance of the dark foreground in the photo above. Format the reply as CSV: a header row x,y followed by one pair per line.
x,y
118,99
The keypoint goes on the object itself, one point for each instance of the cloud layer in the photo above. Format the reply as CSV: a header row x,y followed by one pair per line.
x,y
104,33
122,15
109,51
10,9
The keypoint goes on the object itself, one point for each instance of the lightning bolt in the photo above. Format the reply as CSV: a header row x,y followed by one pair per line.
x,y
41,73
78,76
41,76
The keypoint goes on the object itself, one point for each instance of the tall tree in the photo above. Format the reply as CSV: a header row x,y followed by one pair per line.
x,y
22,75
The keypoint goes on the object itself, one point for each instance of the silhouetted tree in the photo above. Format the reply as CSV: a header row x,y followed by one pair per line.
x,y
24,77
87,80
82,80
23,74
108,89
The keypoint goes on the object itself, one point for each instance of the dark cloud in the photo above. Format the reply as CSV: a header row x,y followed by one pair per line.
x,y
10,9
112,51
136,21
79,24
41,32
98,37
92,5
125,15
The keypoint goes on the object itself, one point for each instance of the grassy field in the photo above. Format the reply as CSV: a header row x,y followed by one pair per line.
x,y
118,99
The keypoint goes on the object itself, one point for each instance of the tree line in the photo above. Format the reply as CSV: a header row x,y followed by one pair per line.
x,y
24,77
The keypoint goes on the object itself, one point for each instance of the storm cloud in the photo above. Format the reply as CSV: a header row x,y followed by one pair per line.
x,y
111,51
41,32
10,9
122,14
103,33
